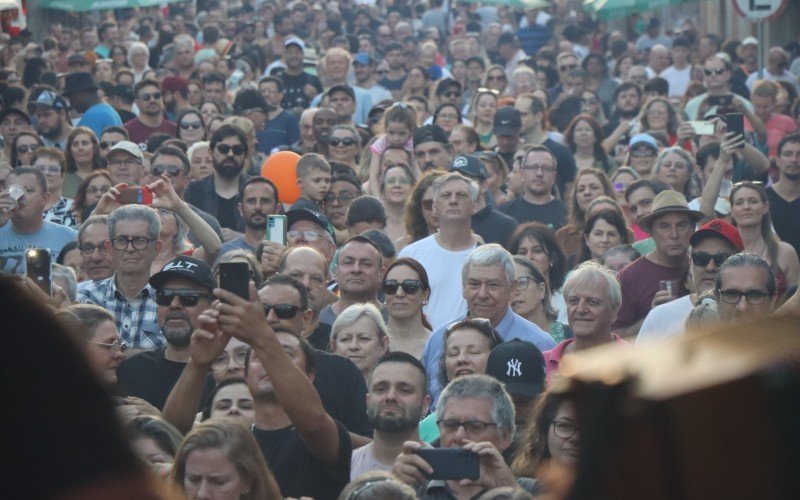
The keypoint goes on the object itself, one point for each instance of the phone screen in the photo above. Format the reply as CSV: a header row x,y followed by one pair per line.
x,y
235,277
276,229
735,123
38,267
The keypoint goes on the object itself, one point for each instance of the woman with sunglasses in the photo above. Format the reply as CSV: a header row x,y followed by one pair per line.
x,y
344,146
104,348
750,213
532,300
396,184
191,127
406,287
419,220
83,156
360,335
467,345
495,79
23,147
594,107
484,107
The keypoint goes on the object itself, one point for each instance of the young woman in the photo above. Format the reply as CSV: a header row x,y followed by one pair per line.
x,y
232,399
89,192
360,335
344,146
396,184
604,230
531,299
588,185
584,138
419,219
406,287
191,127
23,147
498,176
496,79
447,116
552,434
417,83
83,156
484,107
658,115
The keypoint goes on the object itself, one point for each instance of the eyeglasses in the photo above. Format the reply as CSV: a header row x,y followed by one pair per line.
x,y
191,125
701,259
224,149
619,187
410,287
25,148
643,153
88,249
97,189
447,116
130,162
452,95
343,198
710,72
748,183
473,425
172,170
115,346
564,429
567,67
398,181
523,282
495,78
239,357
308,235
145,96
346,141
108,144
427,204
754,297
282,311
49,169
138,243
538,169
188,297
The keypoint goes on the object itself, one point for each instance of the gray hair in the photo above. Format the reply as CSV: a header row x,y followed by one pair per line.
x,y
490,255
481,387
439,183
137,47
94,219
197,146
591,273
68,275
184,39
746,259
135,212
680,152
356,312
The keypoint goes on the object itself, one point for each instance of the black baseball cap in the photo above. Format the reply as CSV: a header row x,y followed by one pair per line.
x,y
185,267
298,214
347,89
507,121
519,365
430,133
470,166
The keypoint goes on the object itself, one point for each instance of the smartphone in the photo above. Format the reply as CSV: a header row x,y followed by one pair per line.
x,y
235,277
138,195
735,123
38,267
720,100
276,229
451,463
702,127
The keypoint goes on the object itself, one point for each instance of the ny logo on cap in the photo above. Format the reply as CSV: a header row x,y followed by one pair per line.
x,y
514,368
460,162
188,266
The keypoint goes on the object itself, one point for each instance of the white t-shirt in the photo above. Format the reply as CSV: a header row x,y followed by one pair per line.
x,y
665,320
678,80
444,275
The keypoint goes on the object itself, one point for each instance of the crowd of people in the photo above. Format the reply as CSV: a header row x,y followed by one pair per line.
x,y
481,191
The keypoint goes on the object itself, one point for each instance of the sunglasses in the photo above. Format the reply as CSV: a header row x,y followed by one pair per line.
x,y
147,96
108,144
710,72
452,95
346,142
410,287
191,125
24,148
282,311
567,67
701,259
171,170
224,149
187,297
495,78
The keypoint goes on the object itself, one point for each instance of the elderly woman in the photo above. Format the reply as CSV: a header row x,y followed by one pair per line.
x,y
532,300
523,81
675,167
406,287
139,57
360,335
199,155
344,146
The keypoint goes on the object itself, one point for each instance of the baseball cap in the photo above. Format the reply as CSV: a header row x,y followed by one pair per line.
x,y
750,40
77,59
507,121
507,37
295,41
430,133
363,59
519,365
185,267
644,140
247,99
470,165
14,111
49,99
445,83
347,89
718,228
298,214
128,147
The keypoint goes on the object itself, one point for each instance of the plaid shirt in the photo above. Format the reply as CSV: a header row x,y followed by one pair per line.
x,y
136,320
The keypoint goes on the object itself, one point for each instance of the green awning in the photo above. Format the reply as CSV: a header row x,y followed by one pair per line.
x,y
518,4
612,9
91,5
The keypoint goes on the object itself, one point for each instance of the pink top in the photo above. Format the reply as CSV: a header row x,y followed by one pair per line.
x,y
552,358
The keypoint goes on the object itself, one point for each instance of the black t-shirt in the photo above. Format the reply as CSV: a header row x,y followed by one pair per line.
x,y
552,214
565,165
297,471
343,392
295,95
228,212
151,376
783,218
493,226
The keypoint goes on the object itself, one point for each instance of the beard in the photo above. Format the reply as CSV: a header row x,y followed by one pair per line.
x,y
252,223
228,170
179,336
394,423
791,176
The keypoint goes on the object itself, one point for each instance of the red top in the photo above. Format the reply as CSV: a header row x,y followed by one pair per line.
x,y
552,358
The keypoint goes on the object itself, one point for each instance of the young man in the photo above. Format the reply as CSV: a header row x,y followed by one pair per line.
x,y
537,203
281,127
678,75
259,199
151,113
784,195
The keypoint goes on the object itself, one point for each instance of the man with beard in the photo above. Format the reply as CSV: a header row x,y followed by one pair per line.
x,y
259,198
432,148
175,92
396,401
53,123
65,39
218,194
301,86
627,102
151,113
322,123
784,195
183,290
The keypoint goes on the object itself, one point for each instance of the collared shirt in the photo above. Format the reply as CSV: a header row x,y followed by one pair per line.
x,y
552,358
136,320
512,326
61,213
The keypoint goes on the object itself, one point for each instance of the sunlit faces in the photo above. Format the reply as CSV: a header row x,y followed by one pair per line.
x,y
466,353
397,185
359,270
454,201
104,355
487,292
747,207
563,440
308,267
402,305
589,311
602,236
343,146
362,343
587,188
528,294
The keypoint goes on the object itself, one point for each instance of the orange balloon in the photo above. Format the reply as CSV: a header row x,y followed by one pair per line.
x,y
280,169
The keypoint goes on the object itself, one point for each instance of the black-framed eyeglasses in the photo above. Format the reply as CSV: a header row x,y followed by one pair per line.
x,y
523,282
138,243
191,125
146,96
567,67
344,197
113,346
710,72
564,429
188,297
171,170
108,144
452,95
343,141
239,356
701,259
88,249
472,425
410,287
282,311
753,297
224,149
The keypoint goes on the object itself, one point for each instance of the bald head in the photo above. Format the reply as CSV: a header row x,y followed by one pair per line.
x,y
310,268
659,58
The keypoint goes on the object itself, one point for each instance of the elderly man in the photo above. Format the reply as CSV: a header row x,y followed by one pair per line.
x,y
454,202
488,283
96,260
712,244
745,288
307,228
125,163
671,224
658,61
474,413
133,245
22,224
593,298
151,113
776,70
183,290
